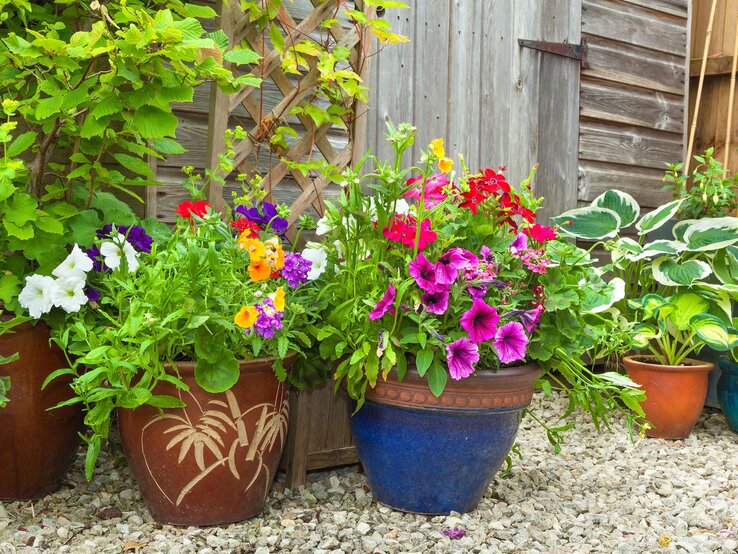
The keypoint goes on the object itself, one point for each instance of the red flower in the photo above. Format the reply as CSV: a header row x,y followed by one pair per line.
x,y
242,224
480,188
404,228
198,208
494,182
540,233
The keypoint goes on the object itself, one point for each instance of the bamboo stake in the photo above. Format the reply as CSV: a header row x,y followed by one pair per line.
x,y
729,131
703,69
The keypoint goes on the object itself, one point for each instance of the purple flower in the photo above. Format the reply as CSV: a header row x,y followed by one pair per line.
x,y
471,262
135,234
511,342
454,533
530,318
461,355
265,215
519,244
478,291
448,266
423,272
295,269
480,321
93,295
268,320
487,256
385,304
94,254
436,302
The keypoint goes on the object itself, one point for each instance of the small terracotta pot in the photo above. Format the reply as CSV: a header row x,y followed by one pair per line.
x,y
212,462
37,445
675,395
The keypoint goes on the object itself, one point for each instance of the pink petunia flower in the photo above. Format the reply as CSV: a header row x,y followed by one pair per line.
x,y
480,321
461,355
385,304
436,302
511,342
434,186
423,272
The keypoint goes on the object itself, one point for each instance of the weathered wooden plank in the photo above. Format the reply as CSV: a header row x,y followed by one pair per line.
x,y
651,109
643,183
558,119
430,98
629,64
332,458
636,146
676,8
631,24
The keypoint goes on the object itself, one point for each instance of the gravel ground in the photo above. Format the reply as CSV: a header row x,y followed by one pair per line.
x,y
602,494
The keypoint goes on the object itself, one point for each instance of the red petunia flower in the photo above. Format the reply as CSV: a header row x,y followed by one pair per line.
x,y
243,224
199,208
540,233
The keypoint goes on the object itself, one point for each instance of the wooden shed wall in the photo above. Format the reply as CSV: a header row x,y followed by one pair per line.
x,y
712,121
632,101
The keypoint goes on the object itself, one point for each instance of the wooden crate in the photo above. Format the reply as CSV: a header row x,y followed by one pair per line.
x,y
319,434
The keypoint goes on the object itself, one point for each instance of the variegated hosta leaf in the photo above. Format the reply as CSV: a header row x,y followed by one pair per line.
x,y
661,247
655,219
644,333
621,203
720,298
725,265
711,233
590,223
626,248
613,292
680,227
669,272
712,331
686,305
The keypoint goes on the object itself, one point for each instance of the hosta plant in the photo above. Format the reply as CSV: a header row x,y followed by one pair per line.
x,y
678,291
451,272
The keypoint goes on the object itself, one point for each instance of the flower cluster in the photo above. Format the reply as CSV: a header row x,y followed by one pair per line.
x,y
404,229
265,216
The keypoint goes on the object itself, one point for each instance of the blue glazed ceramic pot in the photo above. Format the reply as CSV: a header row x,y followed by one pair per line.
x,y
727,389
432,455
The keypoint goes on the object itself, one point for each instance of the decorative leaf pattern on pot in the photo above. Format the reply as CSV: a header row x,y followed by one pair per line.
x,y
219,438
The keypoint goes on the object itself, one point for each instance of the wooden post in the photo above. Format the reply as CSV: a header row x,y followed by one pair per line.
x,y
705,51
729,130
218,114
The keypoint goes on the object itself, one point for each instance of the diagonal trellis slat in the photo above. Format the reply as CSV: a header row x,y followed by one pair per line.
x,y
312,141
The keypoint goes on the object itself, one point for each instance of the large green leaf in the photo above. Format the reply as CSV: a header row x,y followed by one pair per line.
x,y
655,219
643,334
686,305
600,299
713,331
680,227
621,203
661,247
242,56
711,233
591,223
152,122
219,376
437,377
21,144
669,272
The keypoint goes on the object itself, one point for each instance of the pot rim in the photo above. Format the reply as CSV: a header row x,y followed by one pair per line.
x,y
699,365
188,366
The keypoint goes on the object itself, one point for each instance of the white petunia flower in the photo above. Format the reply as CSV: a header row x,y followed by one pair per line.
x,y
69,293
77,263
114,250
318,256
36,295
323,226
401,208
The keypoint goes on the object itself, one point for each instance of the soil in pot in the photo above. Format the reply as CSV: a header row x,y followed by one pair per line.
x,y
432,455
212,462
37,444
675,395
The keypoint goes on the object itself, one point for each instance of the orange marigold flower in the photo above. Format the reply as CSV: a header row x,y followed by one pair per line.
x,y
278,299
255,247
259,270
246,317
445,164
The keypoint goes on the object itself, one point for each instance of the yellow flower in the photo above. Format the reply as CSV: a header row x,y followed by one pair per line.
x,y
278,299
259,270
445,164
255,247
436,147
246,317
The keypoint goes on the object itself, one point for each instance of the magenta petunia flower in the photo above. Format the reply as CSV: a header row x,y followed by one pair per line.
x,y
487,256
385,304
461,355
519,245
436,302
511,342
448,266
480,321
423,272
434,186
478,291
530,318
471,262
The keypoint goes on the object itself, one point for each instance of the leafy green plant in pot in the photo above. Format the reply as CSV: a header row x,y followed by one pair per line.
x,y
447,302
190,343
678,294
87,91
709,191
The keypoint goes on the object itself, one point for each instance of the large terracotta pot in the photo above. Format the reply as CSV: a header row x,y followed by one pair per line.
x,y
212,462
37,445
675,395
432,455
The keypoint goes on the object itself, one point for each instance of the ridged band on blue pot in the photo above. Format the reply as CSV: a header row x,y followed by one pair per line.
x,y
433,455
727,390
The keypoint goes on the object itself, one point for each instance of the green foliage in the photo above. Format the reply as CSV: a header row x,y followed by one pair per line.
x,y
709,192
6,326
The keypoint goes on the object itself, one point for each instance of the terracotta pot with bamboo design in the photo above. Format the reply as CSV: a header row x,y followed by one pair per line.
x,y
38,444
212,462
675,395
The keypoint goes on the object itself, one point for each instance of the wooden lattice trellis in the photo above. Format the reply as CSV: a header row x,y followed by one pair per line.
x,y
313,140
